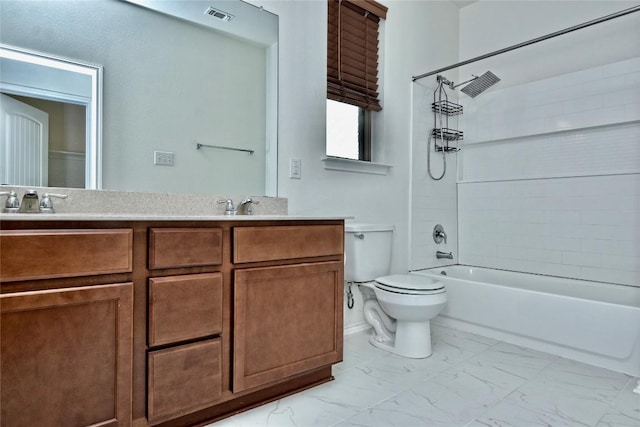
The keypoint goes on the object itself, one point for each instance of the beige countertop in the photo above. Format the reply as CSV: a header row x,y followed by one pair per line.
x,y
158,217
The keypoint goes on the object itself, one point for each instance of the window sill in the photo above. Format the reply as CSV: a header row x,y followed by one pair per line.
x,y
358,166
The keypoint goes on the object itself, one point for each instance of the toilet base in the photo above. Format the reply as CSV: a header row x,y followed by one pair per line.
x,y
412,339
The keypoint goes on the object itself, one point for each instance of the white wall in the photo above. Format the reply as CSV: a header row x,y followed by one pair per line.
x,y
412,44
549,176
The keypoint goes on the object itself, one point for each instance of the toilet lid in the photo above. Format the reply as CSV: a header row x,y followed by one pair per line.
x,y
406,282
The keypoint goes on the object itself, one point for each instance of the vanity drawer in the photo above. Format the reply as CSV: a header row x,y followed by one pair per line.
x,y
184,247
184,307
48,254
254,244
184,379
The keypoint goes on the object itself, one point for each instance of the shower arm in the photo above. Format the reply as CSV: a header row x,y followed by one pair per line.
x,y
451,84
454,86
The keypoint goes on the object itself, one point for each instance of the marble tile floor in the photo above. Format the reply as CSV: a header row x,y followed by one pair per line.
x,y
470,381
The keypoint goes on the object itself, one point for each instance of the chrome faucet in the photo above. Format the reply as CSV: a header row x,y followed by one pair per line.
x,y
447,255
439,235
246,206
30,202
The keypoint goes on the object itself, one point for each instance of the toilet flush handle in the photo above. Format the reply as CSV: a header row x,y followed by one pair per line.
x,y
359,236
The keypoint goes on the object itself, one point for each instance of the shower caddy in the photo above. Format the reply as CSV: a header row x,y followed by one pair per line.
x,y
443,109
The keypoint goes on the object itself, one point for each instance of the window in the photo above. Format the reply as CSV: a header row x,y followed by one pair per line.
x,y
352,76
348,131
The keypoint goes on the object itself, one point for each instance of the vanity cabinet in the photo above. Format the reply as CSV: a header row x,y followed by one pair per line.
x,y
65,344
164,323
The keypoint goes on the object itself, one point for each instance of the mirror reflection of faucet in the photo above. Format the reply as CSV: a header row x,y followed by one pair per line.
x,y
30,202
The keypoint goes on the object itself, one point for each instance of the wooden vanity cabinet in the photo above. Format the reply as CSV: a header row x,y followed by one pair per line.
x,y
164,323
65,344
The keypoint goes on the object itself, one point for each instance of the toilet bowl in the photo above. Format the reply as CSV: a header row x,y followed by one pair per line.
x,y
399,307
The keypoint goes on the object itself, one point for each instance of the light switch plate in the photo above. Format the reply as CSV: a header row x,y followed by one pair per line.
x,y
295,169
164,158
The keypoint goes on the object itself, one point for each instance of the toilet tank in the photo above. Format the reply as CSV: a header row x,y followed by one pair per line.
x,y
367,250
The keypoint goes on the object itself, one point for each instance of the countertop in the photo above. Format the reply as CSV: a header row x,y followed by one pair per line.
x,y
160,217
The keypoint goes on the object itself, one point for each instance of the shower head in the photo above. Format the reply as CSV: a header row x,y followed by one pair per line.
x,y
480,84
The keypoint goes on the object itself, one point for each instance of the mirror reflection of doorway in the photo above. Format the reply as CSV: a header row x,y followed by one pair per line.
x,y
55,149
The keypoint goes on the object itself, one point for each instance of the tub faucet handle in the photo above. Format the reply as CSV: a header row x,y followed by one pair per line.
x,y
439,235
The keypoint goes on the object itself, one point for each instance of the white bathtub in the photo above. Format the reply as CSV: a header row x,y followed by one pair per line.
x,y
592,322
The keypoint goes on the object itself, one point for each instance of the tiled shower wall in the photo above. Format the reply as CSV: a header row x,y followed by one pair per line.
x,y
549,177
432,202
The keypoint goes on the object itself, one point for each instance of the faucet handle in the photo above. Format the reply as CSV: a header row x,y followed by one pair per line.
x,y
46,205
12,204
229,208
439,235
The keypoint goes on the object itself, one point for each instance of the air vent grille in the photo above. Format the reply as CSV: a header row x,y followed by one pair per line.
x,y
217,13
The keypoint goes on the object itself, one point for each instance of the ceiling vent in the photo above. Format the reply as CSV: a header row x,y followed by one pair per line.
x,y
216,13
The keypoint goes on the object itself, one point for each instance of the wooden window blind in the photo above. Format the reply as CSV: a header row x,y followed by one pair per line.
x,y
352,52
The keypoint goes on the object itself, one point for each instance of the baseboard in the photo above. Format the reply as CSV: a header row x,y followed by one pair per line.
x,y
355,328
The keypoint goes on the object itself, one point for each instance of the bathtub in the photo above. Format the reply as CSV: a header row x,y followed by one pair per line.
x,y
592,322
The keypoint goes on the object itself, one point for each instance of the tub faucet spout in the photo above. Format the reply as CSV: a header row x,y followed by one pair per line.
x,y
447,255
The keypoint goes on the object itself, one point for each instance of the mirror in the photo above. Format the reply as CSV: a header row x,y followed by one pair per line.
x,y
171,81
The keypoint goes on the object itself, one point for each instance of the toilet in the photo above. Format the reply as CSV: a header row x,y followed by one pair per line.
x,y
399,307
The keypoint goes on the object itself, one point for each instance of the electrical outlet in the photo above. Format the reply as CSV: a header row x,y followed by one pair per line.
x,y
164,158
295,169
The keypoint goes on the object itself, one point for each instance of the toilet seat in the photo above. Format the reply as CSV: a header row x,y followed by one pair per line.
x,y
409,284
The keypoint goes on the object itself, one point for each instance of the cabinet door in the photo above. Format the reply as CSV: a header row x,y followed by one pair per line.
x,y
288,320
66,357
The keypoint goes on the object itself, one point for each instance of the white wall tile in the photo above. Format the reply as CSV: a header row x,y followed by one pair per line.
x,y
589,227
433,202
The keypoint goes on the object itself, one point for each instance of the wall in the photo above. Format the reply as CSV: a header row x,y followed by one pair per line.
x,y
411,46
167,83
549,179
